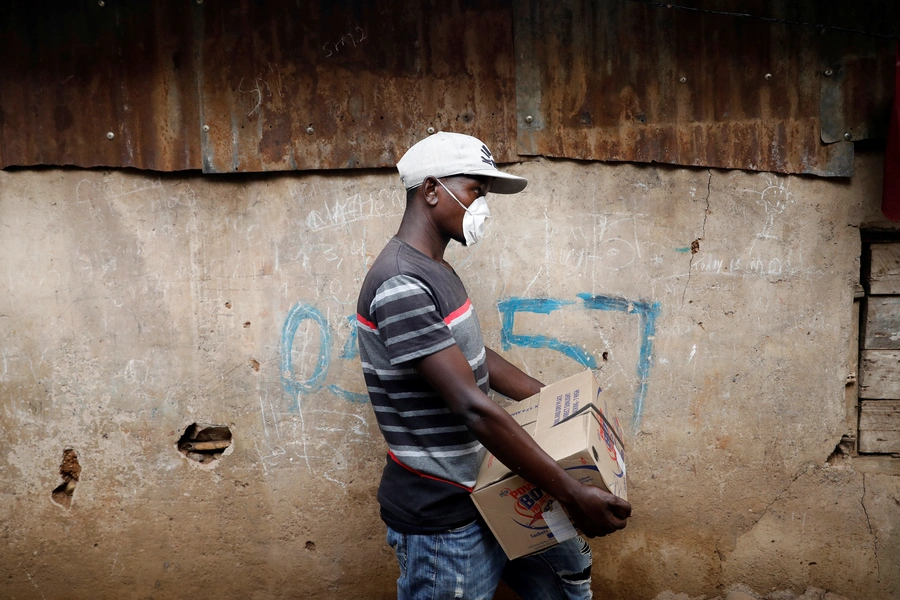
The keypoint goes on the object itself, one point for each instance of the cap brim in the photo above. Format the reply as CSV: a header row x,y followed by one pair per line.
x,y
503,183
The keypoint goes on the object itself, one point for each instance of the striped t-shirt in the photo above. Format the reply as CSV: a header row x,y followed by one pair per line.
x,y
411,306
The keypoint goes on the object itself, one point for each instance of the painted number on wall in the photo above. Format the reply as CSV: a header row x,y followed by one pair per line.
x,y
316,381
646,311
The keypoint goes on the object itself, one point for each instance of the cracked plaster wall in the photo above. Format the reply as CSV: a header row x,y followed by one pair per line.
x,y
140,303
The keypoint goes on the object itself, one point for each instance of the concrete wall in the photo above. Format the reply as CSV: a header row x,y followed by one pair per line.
x,y
138,304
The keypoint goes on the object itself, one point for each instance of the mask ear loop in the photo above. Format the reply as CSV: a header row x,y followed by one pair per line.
x,y
452,195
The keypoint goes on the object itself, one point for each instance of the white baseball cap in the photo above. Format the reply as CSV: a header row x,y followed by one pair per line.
x,y
444,154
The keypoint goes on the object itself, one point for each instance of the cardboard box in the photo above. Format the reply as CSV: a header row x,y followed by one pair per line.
x,y
522,517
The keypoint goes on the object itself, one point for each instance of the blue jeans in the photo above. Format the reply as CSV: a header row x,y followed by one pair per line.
x,y
562,572
468,563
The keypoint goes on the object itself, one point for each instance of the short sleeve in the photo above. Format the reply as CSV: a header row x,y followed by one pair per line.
x,y
408,322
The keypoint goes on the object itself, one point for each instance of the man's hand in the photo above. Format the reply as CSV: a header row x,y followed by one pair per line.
x,y
597,512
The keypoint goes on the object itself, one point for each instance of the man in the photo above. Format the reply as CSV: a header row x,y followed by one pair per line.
x,y
428,374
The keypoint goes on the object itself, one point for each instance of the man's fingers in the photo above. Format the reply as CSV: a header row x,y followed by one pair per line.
x,y
605,514
618,523
607,523
622,511
616,501
613,524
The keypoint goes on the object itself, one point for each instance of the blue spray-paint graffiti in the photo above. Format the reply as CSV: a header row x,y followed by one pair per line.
x,y
509,307
298,315
349,352
316,380
647,311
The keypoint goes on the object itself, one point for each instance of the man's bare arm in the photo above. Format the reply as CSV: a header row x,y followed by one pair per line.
x,y
594,511
509,379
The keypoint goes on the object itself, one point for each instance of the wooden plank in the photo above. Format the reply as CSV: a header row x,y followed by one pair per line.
x,y
879,426
851,389
883,465
884,268
881,323
879,374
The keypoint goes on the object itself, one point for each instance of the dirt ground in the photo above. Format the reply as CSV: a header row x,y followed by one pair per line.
x,y
735,592
743,592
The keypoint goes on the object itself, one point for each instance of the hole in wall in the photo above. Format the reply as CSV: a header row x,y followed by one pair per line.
x,y
70,470
310,546
843,451
246,324
254,364
204,442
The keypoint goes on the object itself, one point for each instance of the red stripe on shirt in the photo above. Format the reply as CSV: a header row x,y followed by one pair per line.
x,y
411,470
365,322
458,312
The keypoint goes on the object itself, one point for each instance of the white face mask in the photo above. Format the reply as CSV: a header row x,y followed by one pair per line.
x,y
473,220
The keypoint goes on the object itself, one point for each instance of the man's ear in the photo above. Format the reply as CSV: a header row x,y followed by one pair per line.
x,y
429,190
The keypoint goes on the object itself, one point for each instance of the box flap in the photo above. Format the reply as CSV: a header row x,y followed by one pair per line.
x,y
609,456
614,428
564,440
563,399
605,403
573,396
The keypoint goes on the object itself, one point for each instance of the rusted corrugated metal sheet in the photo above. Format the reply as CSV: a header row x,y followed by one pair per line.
x,y
72,73
296,84
626,81
319,85
857,88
